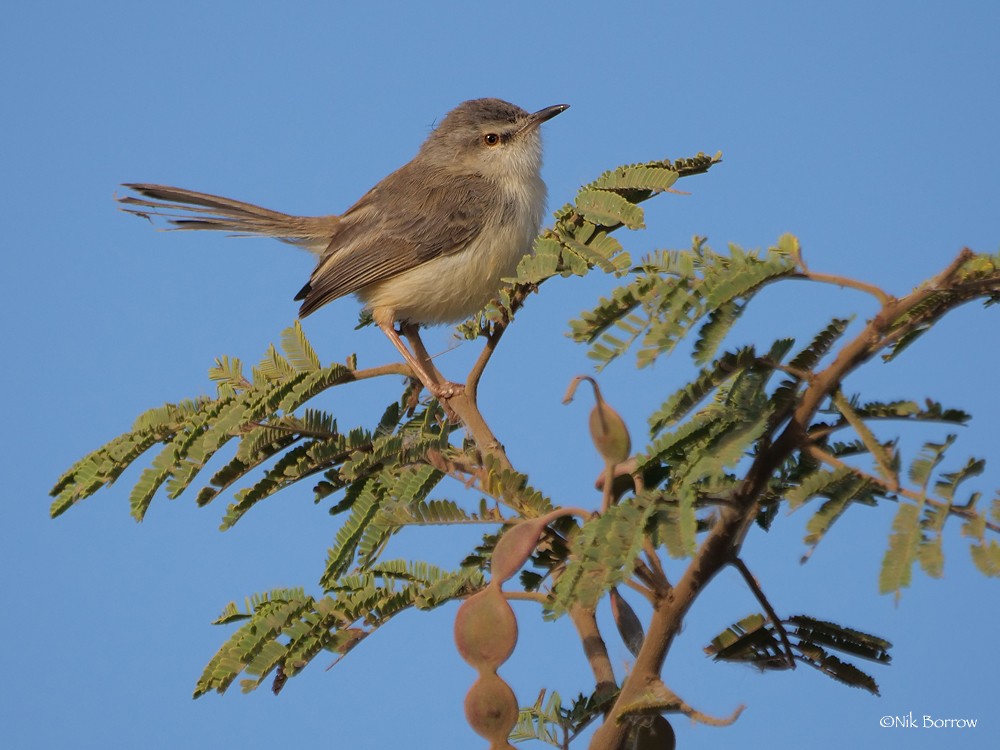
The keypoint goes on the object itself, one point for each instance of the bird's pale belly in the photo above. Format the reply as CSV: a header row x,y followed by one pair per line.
x,y
450,288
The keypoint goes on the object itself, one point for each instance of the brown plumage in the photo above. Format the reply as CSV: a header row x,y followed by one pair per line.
x,y
428,244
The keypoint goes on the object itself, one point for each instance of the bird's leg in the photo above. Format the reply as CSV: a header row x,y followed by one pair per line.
x,y
446,387
421,363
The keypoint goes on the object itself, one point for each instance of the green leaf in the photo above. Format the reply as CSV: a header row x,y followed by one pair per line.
x,y
986,557
930,554
544,262
931,455
808,358
298,349
841,495
884,461
897,563
743,275
948,484
680,404
603,555
341,555
819,483
636,177
714,330
609,209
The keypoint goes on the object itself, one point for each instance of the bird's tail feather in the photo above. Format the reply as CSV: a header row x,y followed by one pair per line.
x,y
187,209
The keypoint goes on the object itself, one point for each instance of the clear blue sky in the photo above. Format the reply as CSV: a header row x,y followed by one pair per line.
x,y
870,130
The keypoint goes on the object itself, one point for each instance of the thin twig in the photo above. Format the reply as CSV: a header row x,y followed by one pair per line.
x,y
609,479
393,368
842,281
528,596
476,373
647,593
771,614
653,559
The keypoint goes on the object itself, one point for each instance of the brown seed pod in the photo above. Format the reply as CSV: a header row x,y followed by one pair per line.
x,y
653,735
628,622
609,433
607,428
491,708
514,548
485,629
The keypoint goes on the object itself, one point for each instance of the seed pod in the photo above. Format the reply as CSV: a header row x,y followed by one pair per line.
x,y
653,735
628,622
514,548
607,428
485,629
609,433
491,708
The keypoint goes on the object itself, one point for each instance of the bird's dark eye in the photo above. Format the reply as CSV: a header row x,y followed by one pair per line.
x,y
491,139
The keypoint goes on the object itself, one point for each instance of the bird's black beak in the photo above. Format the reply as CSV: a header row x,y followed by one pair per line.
x,y
537,118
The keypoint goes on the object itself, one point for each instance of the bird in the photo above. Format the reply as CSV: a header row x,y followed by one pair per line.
x,y
429,244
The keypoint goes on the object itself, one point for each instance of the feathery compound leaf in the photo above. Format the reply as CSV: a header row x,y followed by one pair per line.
x,y
341,555
931,455
298,349
932,411
830,665
841,494
714,330
809,357
820,483
544,262
884,461
673,446
409,486
986,557
103,466
636,177
603,555
609,209
947,485
897,564
251,639
685,399
302,461
544,724
674,291
848,640
930,554
273,368
676,312
743,274
623,301
672,531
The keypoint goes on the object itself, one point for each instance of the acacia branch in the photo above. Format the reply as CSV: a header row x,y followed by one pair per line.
x,y
594,648
722,543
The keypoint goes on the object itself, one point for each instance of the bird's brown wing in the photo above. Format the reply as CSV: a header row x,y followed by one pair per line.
x,y
427,216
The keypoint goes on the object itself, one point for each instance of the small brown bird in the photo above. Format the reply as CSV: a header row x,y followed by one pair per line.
x,y
428,244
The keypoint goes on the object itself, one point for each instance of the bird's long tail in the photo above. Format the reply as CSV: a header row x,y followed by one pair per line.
x,y
187,209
